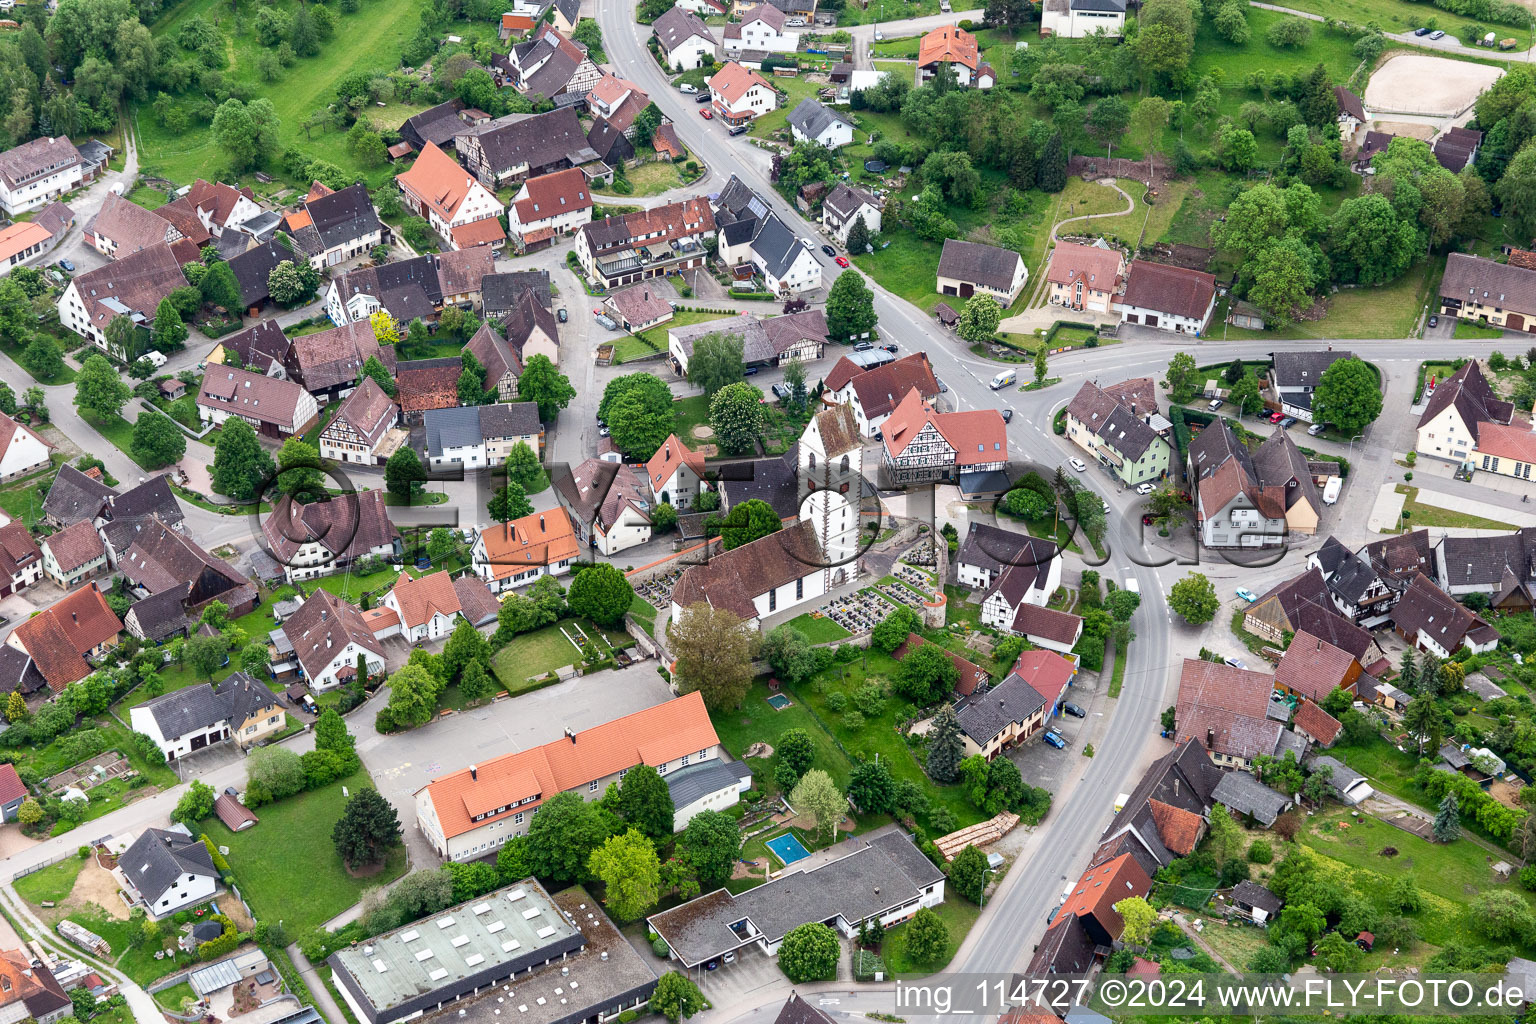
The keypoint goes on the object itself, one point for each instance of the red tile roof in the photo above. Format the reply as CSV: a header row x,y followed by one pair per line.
x,y
543,538
1516,441
1047,672
550,195
672,454
233,813
978,436
1225,709
1314,667
480,232
1171,290
11,786
420,599
653,736
1178,828
1100,888
59,637
948,43
732,81
1317,723
1098,269
76,545
1143,967
1035,620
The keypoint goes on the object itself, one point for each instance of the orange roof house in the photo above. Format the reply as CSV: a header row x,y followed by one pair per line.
x,y
503,791
426,606
515,553
61,637
949,44
669,460
1092,901
452,200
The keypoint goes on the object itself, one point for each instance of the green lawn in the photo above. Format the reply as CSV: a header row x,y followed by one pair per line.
x,y
534,655
648,179
286,865
370,39
1117,676
1470,331
795,90
117,430
630,347
818,630
645,613
1398,16
51,884
171,998
1433,515
690,413
958,915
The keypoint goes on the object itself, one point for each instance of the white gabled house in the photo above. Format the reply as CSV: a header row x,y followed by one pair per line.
x,y
428,607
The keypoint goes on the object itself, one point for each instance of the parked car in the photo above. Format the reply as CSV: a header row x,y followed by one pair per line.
x,y
831,252
1276,417
1236,662
1055,740
707,114
702,97
1007,415
864,346
1144,488
889,346
1288,423
841,261
1074,710
738,129
780,391
1315,429
690,90
67,265
1437,34
563,315
1247,595
1434,321
1421,31
1216,403
942,386
750,371
607,322
1078,465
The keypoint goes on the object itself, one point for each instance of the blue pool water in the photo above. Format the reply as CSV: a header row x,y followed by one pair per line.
x,y
788,848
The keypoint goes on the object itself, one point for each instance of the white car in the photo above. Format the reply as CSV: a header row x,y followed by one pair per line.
x,y
1143,488
1078,465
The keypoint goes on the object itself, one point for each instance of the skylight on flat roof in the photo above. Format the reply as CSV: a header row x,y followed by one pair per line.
x,y
446,922
531,913
515,895
460,940
410,936
425,954
438,974
546,931
480,908
495,926
510,945
474,960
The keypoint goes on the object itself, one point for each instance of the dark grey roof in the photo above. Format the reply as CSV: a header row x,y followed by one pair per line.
x,y
1343,777
984,715
437,124
797,1010
993,550
342,216
451,428
812,118
511,419
738,201
499,292
75,496
1331,555
1252,894
1239,791
776,246
1104,6
1454,756
1481,561
131,511
677,26
700,780
978,264
253,266
158,858
608,143
260,346
1304,369
190,709
161,615
569,9
19,672
772,480
844,199
538,141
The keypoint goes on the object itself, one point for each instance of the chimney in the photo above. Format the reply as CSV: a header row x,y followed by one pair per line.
x,y
541,522
474,773
569,734
74,616
1210,738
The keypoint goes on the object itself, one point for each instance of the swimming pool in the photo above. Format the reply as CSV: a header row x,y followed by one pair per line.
x,y
787,848
779,702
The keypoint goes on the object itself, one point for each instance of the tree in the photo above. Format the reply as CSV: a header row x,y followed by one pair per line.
x,y
1337,953
1502,914
241,466
858,236
206,653
99,389
1122,604
795,753
1245,394
1052,170
412,697
751,520
677,997
646,802
638,410
809,953
43,358
440,545
380,374
710,844
927,937
385,330
713,648
979,319
945,747
850,307
1447,827
1194,598
545,385
157,441
475,683
926,675
1108,120
368,828
892,631
736,415
1422,720
15,707
631,875
1368,244
30,812
219,287
1289,32
716,361
1181,380
403,472
1139,917
299,470
331,734
602,594
968,873
563,835
245,131
1347,396
871,787
817,796
1231,22
195,804
170,333
1516,191
794,379
465,645
509,503
789,653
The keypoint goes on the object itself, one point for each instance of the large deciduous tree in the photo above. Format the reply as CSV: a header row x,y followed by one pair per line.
x,y
716,361
714,648
1348,396
1194,598
241,466
850,307
736,415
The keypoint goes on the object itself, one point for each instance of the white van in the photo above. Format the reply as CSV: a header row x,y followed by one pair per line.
x,y
1004,379
1331,491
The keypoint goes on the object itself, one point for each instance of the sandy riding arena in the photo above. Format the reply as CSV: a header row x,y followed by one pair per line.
x,y
1415,84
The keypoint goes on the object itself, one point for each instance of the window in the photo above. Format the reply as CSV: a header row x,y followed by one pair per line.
x,y
773,600
517,819
685,760
592,786
800,589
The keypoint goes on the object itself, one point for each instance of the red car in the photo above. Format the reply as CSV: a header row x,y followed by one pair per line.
x,y
1276,417
842,261
707,114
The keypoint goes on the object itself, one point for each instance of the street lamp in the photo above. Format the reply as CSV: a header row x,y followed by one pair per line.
x,y
1357,437
984,873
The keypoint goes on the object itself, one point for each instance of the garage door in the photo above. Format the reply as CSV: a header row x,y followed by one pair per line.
x,y
1515,322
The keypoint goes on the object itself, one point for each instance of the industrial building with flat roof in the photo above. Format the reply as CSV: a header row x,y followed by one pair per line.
x,y
546,960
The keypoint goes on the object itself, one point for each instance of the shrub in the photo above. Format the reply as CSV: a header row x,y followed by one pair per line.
x,y
1261,852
